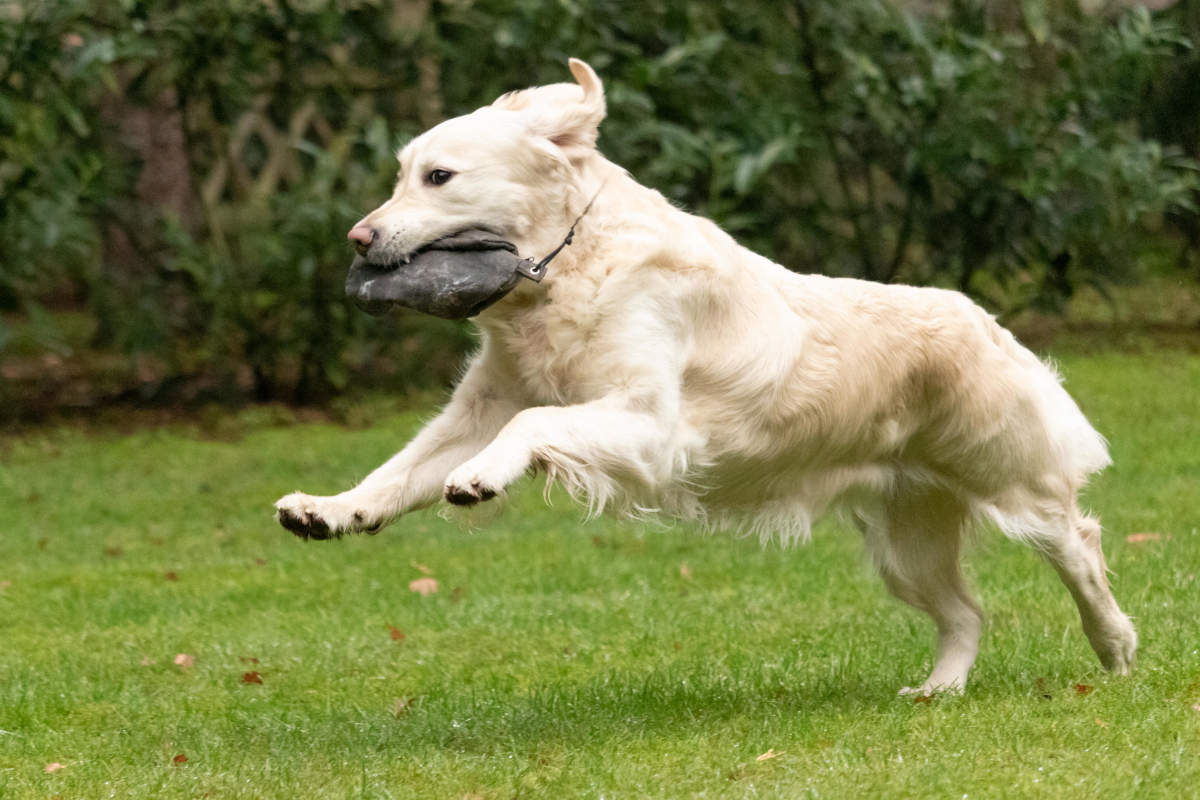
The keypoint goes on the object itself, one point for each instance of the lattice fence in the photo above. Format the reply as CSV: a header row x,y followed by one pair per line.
x,y
261,153
256,156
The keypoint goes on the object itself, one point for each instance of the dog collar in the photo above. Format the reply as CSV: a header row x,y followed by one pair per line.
x,y
535,272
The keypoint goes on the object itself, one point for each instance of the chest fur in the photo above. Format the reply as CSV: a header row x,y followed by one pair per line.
x,y
551,349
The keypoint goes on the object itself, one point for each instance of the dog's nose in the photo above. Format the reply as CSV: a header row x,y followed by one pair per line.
x,y
363,237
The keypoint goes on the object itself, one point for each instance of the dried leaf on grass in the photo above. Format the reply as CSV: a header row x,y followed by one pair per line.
x,y
54,766
1082,689
424,570
423,586
183,660
768,755
1139,538
396,634
402,706
148,662
180,759
1101,723
251,677
684,572
172,576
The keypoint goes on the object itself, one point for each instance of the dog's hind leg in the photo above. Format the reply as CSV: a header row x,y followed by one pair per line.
x,y
915,543
1071,542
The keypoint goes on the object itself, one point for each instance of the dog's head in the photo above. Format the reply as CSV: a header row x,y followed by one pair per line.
x,y
508,168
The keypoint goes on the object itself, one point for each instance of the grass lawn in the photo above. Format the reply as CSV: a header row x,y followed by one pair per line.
x,y
558,659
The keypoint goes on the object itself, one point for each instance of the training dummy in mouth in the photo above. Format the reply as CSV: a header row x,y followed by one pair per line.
x,y
454,277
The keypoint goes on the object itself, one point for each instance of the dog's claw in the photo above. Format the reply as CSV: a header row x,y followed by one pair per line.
x,y
461,498
304,525
469,497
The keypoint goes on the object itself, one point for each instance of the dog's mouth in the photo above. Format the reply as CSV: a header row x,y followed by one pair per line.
x,y
475,237
455,276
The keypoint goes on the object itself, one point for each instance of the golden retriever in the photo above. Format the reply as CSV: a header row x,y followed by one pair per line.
x,y
661,367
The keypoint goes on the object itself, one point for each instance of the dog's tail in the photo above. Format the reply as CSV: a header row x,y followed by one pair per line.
x,y
1077,449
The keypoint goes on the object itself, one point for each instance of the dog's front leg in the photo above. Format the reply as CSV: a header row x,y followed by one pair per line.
x,y
593,447
414,477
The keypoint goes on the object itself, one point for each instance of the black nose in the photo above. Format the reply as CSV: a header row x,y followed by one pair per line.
x,y
363,237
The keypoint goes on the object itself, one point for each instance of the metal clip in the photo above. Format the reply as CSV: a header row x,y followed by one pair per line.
x,y
528,269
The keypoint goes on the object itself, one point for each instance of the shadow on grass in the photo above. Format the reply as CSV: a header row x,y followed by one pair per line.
x,y
614,707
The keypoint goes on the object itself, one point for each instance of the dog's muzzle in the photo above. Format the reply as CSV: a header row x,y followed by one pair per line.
x,y
455,277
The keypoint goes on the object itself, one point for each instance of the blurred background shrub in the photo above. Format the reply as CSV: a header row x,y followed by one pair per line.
x,y
176,178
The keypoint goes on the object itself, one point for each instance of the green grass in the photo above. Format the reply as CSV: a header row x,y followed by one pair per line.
x,y
558,659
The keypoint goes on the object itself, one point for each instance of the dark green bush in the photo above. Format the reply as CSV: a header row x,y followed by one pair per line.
x,y
184,172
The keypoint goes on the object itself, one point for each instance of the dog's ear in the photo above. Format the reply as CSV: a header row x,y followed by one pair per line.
x,y
560,113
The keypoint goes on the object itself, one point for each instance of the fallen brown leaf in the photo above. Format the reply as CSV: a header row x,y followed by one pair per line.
x,y
172,576
180,759
113,552
54,766
184,660
1195,706
424,570
42,544
260,562
1138,538
768,755
423,586
248,659
1082,689
684,572
923,698
396,634
251,677
147,662
402,706
1101,723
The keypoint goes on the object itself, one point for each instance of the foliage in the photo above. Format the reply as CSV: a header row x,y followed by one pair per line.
x,y
52,175
1004,154
998,156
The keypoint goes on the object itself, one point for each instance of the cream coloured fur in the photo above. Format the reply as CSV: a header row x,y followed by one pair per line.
x,y
662,367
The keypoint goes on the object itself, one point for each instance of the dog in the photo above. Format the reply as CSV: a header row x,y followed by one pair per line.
x,y
659,367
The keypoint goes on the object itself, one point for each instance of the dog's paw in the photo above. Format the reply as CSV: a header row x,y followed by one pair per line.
x,y
468,492
321,517
485,476
468,485
929,689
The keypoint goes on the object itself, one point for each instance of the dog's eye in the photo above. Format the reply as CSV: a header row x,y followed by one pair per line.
x,y
439,176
